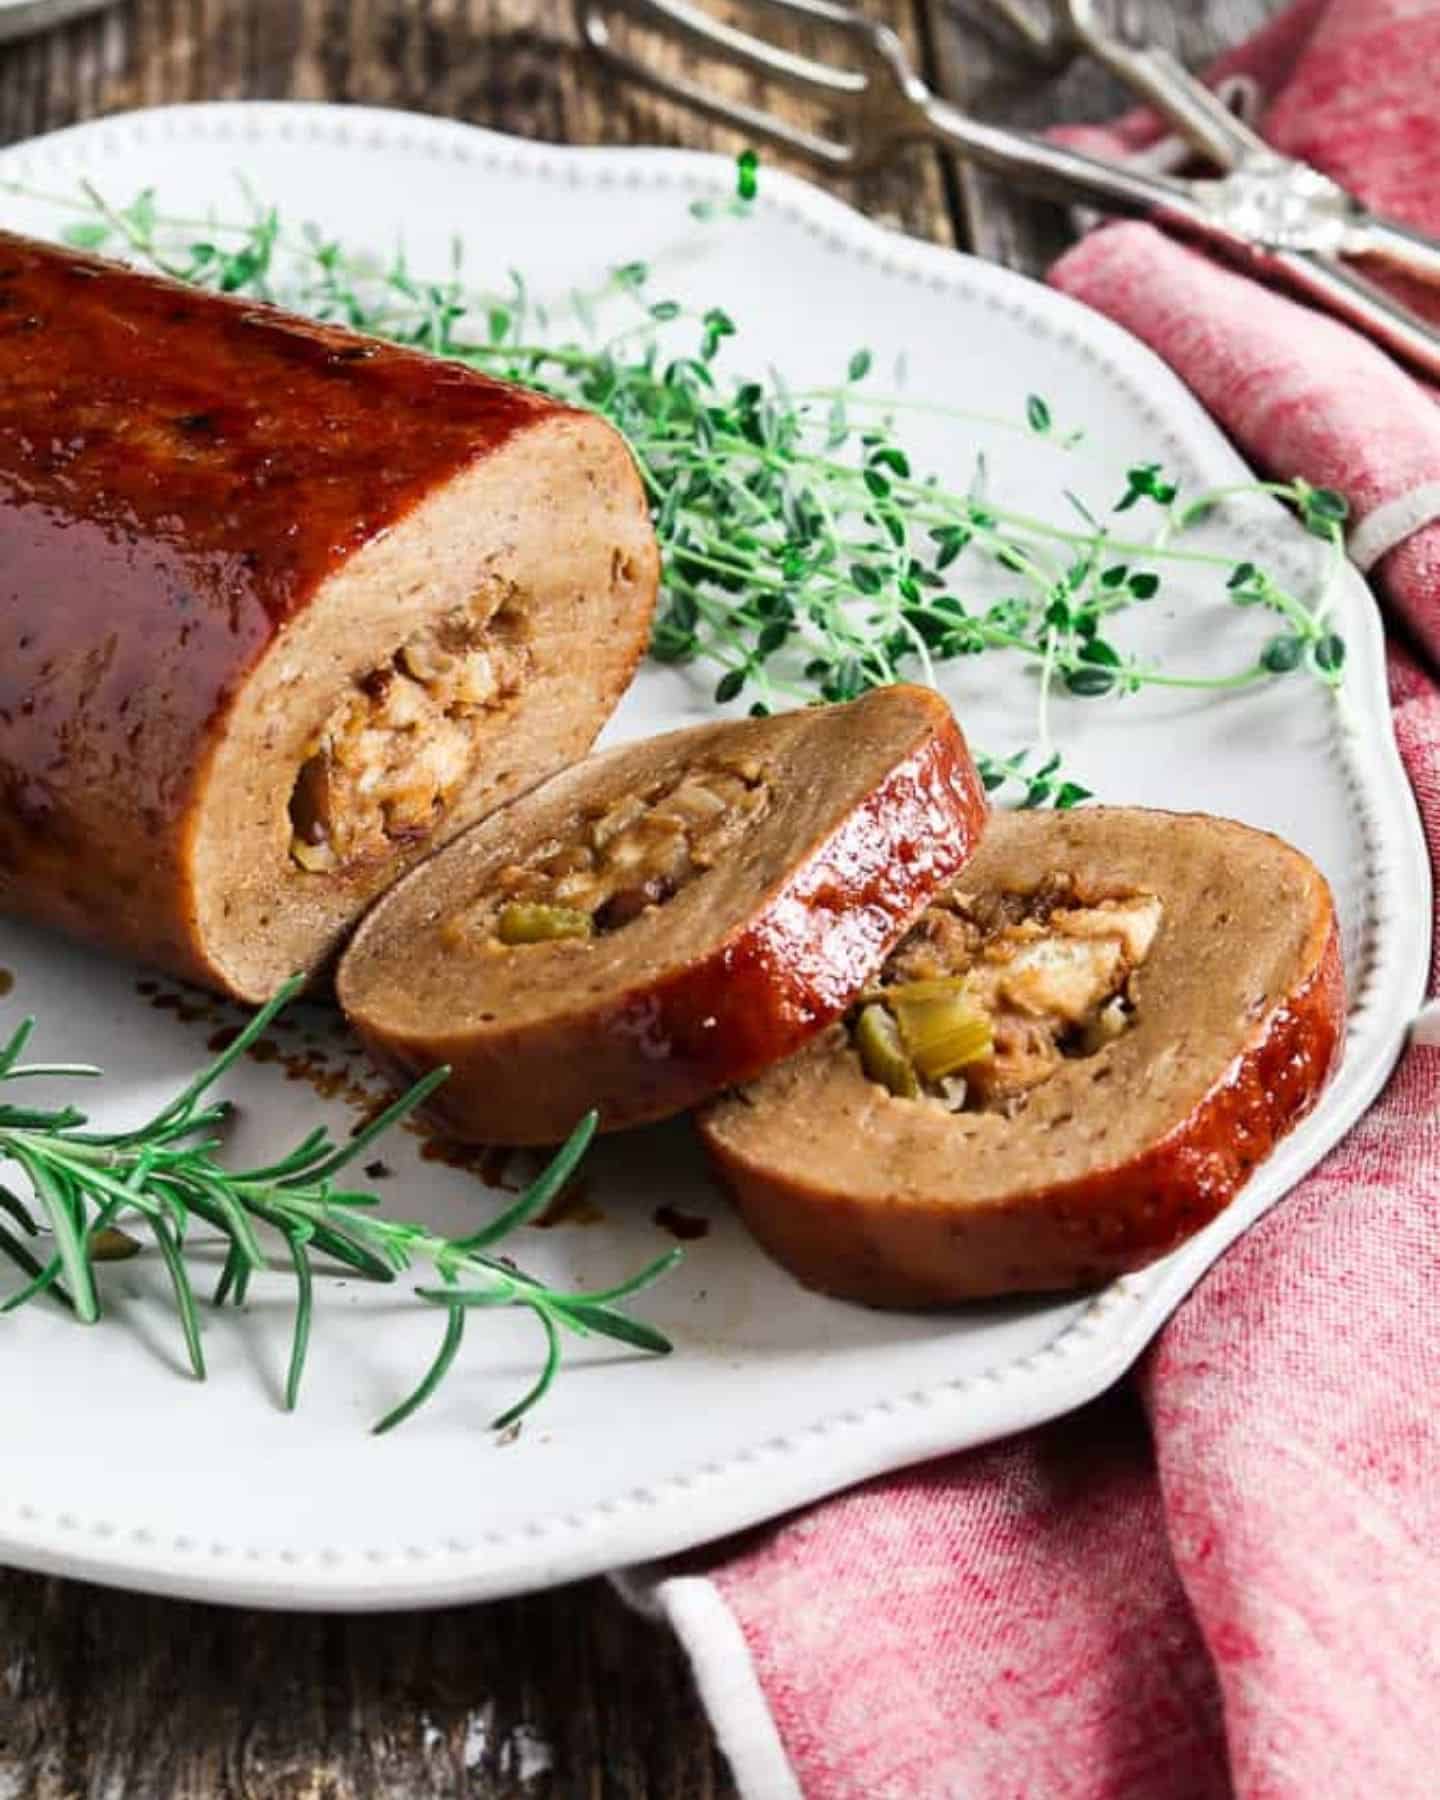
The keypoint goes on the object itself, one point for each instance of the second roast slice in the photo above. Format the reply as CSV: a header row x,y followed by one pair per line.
x,y
1069,1065
665,918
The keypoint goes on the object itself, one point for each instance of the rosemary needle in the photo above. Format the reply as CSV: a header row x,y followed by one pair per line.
x,y
162,1174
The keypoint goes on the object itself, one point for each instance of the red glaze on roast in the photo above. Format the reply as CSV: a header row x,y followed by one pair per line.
x,y
183,477
871,809
896,1203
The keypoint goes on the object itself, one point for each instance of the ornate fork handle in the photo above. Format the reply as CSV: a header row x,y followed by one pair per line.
x,y
1281,203
1286,220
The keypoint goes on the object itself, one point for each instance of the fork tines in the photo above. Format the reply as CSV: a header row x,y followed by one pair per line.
x,y
845,95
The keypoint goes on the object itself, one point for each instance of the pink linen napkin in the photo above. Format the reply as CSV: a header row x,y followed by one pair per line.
x,y
1222,1578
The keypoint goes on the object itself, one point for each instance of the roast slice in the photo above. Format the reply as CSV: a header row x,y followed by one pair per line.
x,y
1227,1031
723,892
283,608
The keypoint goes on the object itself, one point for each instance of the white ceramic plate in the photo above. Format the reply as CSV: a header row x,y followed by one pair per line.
x,y
121,1469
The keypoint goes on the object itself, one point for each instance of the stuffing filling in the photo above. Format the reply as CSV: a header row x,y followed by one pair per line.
x,y
621,860
390,759
989,993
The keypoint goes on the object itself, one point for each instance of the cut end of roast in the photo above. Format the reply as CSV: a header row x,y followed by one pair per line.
x,y
450,664
1129,1147
666,918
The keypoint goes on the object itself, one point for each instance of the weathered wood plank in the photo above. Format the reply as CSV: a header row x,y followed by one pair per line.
x,y
512,64
563,1694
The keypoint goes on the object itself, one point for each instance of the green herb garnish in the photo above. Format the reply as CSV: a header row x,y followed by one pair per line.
x,y
805,557
164,1174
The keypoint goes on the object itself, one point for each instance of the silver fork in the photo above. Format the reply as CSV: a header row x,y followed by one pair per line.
x,y
1163,83
1066,28
1266,209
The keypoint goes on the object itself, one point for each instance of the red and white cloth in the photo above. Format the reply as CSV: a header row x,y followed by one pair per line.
x,y
1223,1577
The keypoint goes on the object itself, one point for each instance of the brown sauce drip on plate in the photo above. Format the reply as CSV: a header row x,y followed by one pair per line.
x,y
489,1164
682,1225
571,1206
333,1065
317,1057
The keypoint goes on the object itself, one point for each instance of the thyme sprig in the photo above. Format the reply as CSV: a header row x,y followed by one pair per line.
x,y
805,556
164,1174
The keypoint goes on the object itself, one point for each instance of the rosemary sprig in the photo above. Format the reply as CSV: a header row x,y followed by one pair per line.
x,y
805,557
163,1174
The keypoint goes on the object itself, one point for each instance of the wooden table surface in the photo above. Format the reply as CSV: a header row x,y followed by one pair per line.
x,y
564,1693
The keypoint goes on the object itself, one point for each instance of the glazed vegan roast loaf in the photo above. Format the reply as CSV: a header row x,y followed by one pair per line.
x,y
1070,1064
283,609
295,622
664,918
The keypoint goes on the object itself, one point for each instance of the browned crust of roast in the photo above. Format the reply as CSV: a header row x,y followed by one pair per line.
x,y
744,965
214,519
887,1244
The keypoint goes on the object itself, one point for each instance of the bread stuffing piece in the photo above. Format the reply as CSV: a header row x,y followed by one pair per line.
x,y
400,745
1038,976
632,856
